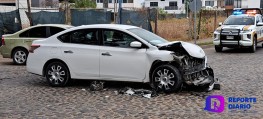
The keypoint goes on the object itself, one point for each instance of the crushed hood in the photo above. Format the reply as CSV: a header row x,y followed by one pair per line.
x,y
192,49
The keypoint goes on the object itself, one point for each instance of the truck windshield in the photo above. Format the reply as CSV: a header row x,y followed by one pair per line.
x,y
240,20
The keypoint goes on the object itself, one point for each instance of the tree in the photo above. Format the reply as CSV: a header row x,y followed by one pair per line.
x,y
29,13
84,4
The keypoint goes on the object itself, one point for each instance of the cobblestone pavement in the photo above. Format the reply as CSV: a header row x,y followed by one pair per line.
x,y
24,95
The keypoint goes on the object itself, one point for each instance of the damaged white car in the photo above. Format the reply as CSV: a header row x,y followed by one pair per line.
x,y
110,52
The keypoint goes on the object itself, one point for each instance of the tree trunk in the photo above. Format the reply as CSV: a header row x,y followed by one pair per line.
x,y
29,13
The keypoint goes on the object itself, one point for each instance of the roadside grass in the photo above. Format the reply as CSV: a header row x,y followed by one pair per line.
x,y
205,43
177,29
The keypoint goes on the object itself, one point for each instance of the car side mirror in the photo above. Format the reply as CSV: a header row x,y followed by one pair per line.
x,y
135,44
220,24
260,24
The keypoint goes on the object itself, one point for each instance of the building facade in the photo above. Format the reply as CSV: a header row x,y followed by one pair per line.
x,y
170,6
125,4
231,4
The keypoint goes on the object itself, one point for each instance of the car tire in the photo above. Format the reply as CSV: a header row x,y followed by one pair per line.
x,y
218,48
167,78
253,48
57,74
20,56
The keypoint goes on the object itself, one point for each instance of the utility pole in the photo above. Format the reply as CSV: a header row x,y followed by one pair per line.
x,y
29,13
17,4
120,10
195,35
187,4
115,7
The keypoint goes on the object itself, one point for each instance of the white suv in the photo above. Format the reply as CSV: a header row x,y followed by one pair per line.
x,y
111,52
242,29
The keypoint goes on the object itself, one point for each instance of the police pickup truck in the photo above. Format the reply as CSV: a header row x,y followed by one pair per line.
x,y
244,28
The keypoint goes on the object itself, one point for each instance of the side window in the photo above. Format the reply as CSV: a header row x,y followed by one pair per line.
x,y
259,19
117,39
38,32
55,30
65,38
89,37
24,34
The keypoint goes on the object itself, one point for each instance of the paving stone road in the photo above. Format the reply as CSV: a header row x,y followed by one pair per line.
x,y
24,95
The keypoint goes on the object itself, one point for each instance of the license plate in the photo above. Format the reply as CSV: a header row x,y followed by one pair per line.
x,y
229,37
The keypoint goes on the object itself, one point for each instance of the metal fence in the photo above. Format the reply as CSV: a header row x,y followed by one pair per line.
x,y
90,16
10,22
44,17
141,18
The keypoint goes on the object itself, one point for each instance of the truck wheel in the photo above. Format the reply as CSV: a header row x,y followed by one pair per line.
x,y
218,48
167,78
253,48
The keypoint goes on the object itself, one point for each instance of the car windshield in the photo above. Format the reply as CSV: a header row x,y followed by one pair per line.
x,y
240,20
148,36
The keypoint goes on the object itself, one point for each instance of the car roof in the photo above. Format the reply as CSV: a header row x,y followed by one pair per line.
x,y
55,25
111,26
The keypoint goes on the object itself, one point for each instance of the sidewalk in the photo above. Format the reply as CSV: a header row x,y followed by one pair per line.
x,y
204,43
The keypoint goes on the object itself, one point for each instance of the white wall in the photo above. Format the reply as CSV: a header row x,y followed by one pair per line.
x,y
253,3
203,2
139,3
23,3
162,4
135,4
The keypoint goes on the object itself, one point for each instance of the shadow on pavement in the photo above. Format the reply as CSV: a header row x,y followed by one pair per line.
x,y
238,50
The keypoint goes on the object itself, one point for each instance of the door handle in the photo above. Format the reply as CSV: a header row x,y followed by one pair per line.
x,y
106,54
68,51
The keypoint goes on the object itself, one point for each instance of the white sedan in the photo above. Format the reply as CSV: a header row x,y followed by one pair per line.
x,y
110,52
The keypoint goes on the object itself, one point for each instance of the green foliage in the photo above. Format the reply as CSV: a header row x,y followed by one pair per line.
x,y
186,4
162,14
161,11
84,4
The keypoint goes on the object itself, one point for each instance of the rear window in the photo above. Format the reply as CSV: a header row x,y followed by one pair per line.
x,y
55,30
37,32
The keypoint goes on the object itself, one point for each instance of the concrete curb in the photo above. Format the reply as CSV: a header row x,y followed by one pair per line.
x,y
206,46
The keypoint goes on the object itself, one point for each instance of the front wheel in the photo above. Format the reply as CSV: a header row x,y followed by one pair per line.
x,y
253,48
57,74
167,78
218,48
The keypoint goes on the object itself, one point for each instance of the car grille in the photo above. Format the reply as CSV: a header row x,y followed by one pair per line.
x,y
235,33
194,65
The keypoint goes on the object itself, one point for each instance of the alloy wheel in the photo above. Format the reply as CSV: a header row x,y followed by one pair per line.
x,y
57,74
20,57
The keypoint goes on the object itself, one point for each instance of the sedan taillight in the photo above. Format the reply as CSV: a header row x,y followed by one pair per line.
x,y
3,40
33,47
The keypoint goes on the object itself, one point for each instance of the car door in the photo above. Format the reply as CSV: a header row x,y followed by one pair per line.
x,y
80,51
118,61
259,29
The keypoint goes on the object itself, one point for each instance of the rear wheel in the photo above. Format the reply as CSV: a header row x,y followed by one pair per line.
x,y
57,74
218,48
20,56
167,78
